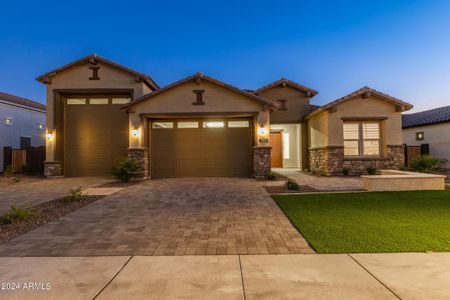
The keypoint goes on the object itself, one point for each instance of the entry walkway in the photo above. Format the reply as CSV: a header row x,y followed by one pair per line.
x,y
323,183
303,276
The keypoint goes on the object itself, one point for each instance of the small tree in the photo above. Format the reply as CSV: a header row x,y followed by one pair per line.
x,y
126,169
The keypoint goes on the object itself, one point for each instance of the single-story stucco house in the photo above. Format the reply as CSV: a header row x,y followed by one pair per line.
x,y
99,111
430,127
22,124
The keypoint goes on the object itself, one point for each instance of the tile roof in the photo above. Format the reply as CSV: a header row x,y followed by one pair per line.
x,y
289,83
364,90
94,58
21,101
428,117
207,78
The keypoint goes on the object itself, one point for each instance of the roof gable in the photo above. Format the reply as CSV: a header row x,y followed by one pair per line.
x,y
94,58
284,82
19,101
428,117
200,76
366,92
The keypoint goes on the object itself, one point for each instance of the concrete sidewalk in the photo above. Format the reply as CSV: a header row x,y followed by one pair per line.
x,y
334,276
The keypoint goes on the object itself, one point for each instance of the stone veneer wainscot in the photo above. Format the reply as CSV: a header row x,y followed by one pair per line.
x,y
261,161
330,160
141,156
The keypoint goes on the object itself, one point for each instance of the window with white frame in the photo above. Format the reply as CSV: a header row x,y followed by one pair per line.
x,y
362,139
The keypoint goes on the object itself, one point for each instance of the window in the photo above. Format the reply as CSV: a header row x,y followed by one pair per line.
x,y
420,136
162,125
76,101
8,121
120,100
213,124
101,101
187,124
238,124
362,139
351,139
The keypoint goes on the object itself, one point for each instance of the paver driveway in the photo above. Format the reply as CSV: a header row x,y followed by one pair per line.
x,y
169,217
43,190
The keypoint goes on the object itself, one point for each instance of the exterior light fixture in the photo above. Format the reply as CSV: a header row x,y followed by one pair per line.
x,y
49,135
262,130
135,132
40,126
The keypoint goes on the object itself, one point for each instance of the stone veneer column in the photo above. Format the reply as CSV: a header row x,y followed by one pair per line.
x,y
396,156
262,161
141,156
52,169
326,160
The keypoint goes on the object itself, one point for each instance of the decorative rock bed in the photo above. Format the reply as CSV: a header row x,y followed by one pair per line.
x,y
394,180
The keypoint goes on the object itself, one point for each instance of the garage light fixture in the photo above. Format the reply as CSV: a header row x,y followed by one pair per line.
x,y
49,135
135,132
262,130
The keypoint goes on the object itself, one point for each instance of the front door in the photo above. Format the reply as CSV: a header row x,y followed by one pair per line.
x,y
277,149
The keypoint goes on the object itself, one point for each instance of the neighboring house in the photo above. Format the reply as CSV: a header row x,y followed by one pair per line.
x,y
199,126
430,127
22,123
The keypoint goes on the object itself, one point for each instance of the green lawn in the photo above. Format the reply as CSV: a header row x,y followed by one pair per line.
x,y
372,222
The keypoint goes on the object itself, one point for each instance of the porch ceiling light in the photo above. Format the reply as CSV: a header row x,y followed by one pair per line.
x,y
135,132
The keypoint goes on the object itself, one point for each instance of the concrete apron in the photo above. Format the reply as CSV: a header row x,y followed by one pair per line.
x,y
326,276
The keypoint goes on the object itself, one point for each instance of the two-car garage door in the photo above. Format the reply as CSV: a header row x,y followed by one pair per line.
x,y
201,148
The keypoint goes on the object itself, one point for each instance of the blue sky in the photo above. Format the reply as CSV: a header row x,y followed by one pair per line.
x,y
399,47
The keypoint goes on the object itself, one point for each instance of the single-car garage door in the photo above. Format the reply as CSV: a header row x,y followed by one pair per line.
x,y
201,148
95,135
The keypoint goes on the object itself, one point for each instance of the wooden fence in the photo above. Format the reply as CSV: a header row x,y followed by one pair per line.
x,y
413,153
31,160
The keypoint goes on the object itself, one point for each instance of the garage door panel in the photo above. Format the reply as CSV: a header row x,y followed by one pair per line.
x,y
201,152
95,138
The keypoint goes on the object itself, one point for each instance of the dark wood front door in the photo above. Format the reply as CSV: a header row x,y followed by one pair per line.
x,y
277,150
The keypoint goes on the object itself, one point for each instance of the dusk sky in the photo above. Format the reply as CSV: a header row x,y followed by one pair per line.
x,y
398,47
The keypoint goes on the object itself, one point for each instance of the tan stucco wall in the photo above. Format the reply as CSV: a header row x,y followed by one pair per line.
x,y
369,107
437,136
318,130
297,104
77,77
217,100
326,128
295,144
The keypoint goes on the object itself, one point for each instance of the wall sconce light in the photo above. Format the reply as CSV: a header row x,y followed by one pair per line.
x,y
262,130
49,135
135,132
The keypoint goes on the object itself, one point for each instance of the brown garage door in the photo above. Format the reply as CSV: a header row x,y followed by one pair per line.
x,y
95,137
201,148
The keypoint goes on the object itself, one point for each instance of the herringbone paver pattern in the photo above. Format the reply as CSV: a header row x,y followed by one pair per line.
x,y
169,217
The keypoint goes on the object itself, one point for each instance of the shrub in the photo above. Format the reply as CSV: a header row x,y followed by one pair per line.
x,y
18,214
292,185
271,176
7,171
126,169
371,170
346,171
426,163
75,195
17,178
